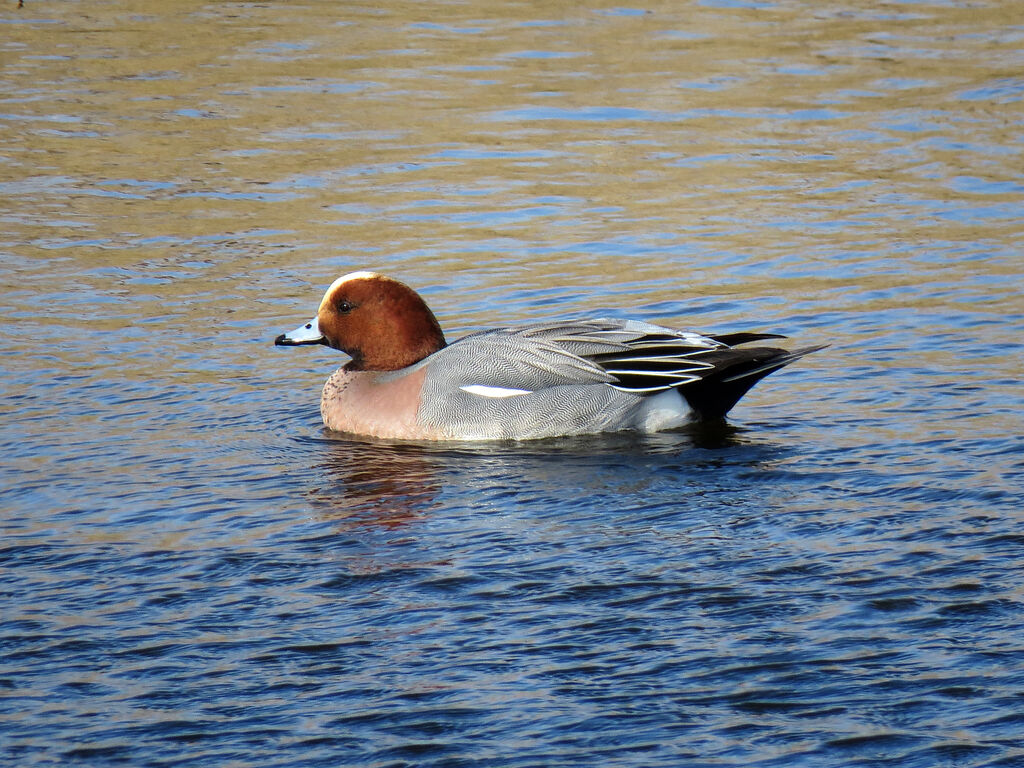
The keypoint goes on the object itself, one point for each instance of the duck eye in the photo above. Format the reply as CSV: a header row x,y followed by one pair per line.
x,y
344,307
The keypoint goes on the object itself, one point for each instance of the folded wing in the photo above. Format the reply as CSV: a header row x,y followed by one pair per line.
x,y
711,372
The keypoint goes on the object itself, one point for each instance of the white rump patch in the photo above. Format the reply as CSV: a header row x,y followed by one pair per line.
x,y
482,391
667,410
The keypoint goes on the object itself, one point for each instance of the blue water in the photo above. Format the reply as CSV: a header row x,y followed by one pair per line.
x,y
194,573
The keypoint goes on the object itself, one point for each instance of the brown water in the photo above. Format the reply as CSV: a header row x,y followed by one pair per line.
x,y
193,573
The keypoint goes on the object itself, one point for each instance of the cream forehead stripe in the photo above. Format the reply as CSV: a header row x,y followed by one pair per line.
x,y
344,279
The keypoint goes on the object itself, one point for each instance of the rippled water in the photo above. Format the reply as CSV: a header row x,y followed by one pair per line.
x,y
194,573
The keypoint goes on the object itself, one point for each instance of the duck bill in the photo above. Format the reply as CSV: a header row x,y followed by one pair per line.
x,y
304,334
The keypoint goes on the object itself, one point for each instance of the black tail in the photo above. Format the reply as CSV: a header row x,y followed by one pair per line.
x,y
735,372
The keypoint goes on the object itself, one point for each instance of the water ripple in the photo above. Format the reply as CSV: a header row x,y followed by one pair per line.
x,y
192,572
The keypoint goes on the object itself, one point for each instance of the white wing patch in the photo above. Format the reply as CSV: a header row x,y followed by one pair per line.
x,y
484,391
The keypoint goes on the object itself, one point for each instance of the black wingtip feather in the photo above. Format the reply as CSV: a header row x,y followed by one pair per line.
x,y
736,371
734,339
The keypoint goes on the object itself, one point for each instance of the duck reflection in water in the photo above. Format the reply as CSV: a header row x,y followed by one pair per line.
x,y
376,483
391,485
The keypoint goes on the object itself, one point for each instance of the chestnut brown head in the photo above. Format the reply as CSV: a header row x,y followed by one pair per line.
x,y
381,323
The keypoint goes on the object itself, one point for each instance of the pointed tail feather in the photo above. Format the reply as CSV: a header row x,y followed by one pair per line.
x,y
736,371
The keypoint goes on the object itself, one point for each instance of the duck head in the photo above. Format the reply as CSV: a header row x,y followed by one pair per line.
x,y
381,323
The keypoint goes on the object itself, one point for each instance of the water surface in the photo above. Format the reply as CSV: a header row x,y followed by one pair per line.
x,y
195,573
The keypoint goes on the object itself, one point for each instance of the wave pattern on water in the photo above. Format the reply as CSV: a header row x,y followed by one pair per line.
x,y
710,627
193,573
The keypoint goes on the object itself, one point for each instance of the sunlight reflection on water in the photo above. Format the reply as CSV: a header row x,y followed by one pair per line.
x,y
194,570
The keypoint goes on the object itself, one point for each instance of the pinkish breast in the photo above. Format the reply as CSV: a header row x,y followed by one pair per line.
x,y
375,403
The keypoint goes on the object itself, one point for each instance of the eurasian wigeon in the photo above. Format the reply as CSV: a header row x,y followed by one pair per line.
x,y
542,380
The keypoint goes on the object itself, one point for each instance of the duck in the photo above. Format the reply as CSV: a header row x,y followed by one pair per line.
x,y
552,378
